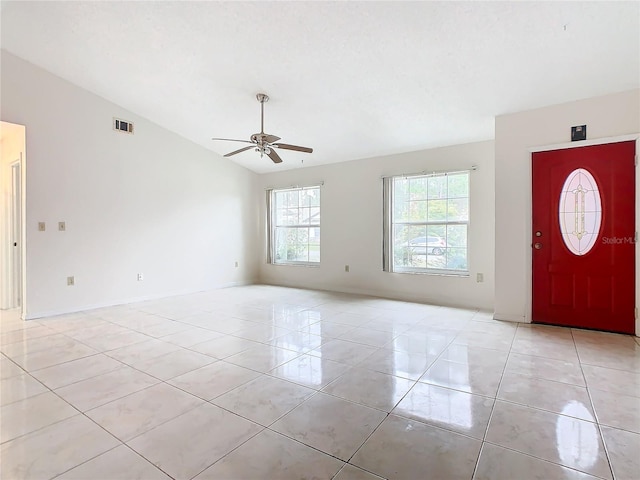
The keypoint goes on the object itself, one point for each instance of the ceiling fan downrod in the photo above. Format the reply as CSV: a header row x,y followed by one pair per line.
x,y
262,98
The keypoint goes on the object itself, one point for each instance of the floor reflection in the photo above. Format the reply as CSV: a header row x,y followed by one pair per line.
x,y
307,370
441,406
577,440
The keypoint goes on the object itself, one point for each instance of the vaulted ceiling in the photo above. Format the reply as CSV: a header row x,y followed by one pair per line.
x,y
350,79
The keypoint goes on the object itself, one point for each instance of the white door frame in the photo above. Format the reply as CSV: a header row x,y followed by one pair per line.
x,y
587,143
15,234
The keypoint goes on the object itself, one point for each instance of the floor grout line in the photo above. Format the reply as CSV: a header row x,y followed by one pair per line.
x,y
166,314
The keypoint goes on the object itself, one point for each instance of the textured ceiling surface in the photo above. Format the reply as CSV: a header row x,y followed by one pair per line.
x,y
350,79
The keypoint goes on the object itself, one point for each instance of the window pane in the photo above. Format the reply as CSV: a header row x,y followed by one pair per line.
x,y
418,210
315,215
458,210
294,198
457,235
457,258
282,237
314,197
439,231
314,244
418,188
304,214
458,185
437,261
307,197
400,243
302,253
437,211
401,211
314,236
400,200
417,246
438,187
291,216
314,253
416,236
400,236
401,186
287,246
291,244
278,200
412,245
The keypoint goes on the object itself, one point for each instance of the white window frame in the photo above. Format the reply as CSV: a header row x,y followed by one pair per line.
x,y
272,226
389,227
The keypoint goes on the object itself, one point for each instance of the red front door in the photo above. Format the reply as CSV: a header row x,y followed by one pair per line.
x,y
583,237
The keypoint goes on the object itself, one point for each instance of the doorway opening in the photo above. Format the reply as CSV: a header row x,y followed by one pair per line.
x,y
12,223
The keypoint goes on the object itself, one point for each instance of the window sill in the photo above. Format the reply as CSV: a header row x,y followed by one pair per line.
x,y
436,273
296,264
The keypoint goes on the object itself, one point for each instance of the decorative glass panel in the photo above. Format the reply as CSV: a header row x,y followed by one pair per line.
x,y
580,211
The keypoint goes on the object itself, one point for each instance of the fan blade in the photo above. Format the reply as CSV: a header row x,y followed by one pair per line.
x,y
232,140
274,156
271,138
293,147
238,151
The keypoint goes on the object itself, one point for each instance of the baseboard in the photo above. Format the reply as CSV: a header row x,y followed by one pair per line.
x,y
94,306
379,294
510,318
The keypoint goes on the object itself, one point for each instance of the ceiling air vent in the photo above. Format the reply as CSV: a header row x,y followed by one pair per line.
x,y
122,125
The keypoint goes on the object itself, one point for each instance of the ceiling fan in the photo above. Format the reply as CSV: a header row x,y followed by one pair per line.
x,y
264,142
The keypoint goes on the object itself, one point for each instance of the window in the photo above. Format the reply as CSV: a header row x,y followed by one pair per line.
x,y
427,223
294,226
580,211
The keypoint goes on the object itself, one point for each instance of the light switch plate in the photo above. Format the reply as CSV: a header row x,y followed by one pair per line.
x,y
61,226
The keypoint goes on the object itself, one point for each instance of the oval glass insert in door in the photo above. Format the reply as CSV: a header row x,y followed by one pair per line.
x,y
580,211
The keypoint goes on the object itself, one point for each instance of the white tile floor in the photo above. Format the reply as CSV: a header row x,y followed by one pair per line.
x,y
273,383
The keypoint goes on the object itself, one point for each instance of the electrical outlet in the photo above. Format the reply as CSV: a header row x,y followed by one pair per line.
x,y
61,226
140,277
346,268
479,277
41,226
236,264
71,281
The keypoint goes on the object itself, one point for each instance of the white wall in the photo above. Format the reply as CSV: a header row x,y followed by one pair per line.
x,y
152,202
12,148
516,134
351,228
